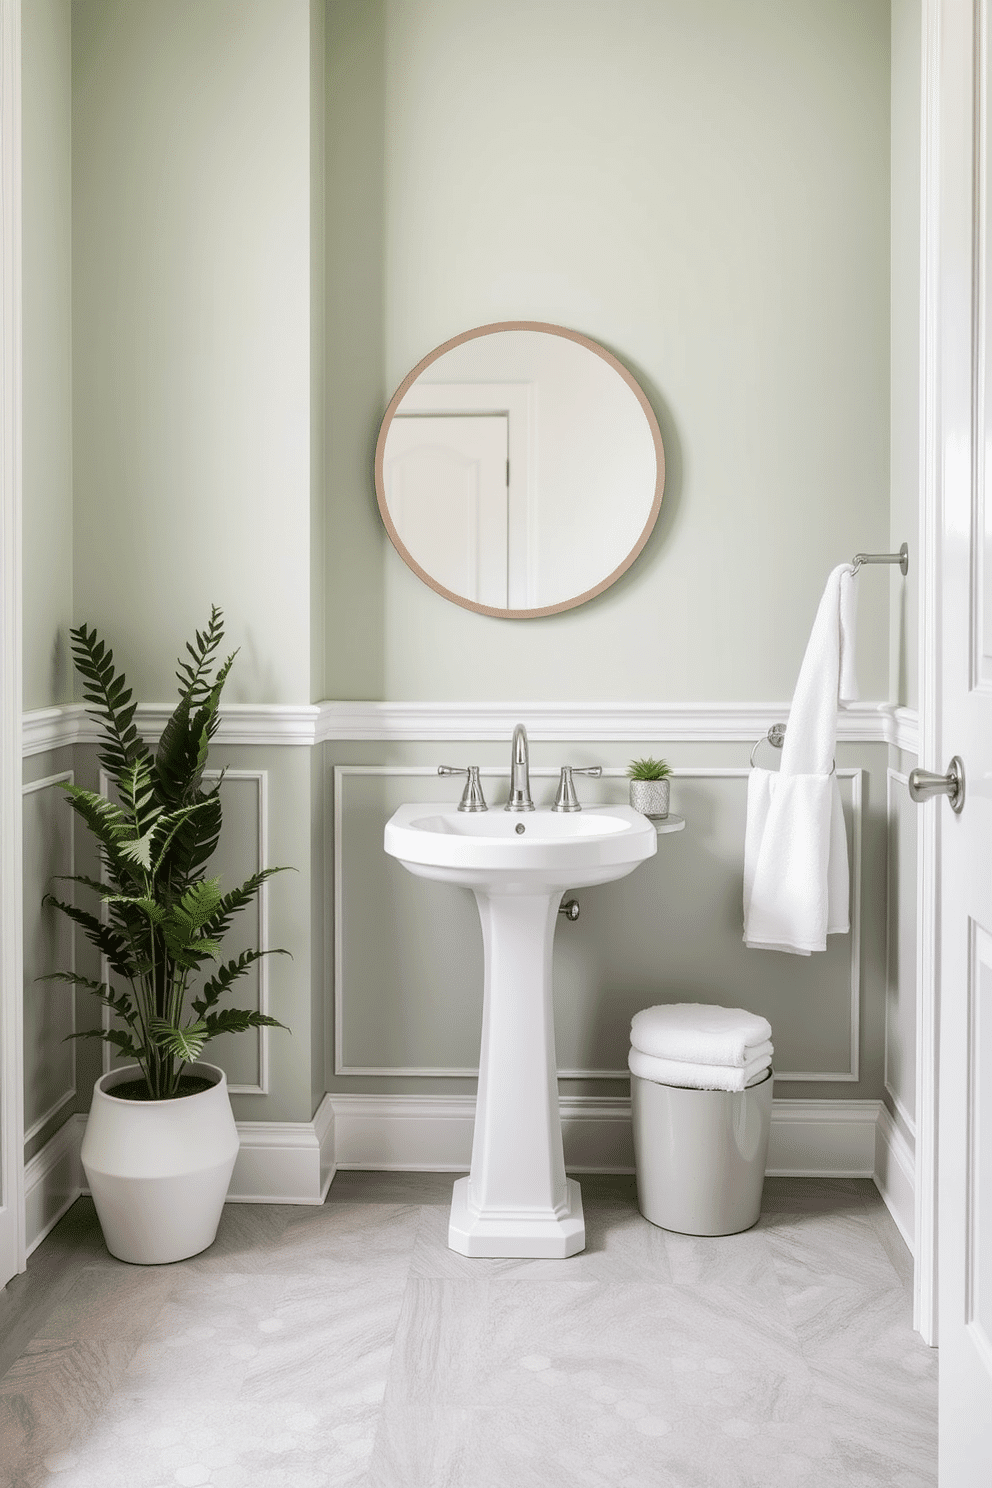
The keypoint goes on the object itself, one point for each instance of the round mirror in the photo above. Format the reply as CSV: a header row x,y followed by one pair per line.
x,y
519,469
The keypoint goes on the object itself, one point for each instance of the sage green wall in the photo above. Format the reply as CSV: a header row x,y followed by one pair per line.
x,y
355,208
47,349
703,188
191,132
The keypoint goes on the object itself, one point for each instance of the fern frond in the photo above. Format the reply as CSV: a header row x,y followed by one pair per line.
x,y
237,899
237,1020
224,978
110,697
182,1043
108,940
113,1036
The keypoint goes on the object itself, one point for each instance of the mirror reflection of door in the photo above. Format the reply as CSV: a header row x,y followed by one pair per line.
x,y
446,483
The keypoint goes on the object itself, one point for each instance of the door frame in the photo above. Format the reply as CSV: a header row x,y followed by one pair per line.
x,y
930,743
12,1258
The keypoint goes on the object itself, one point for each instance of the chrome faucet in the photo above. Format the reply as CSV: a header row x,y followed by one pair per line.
x,y
520,773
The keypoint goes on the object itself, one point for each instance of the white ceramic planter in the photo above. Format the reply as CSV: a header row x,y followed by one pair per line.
x,y
650,797
159,1170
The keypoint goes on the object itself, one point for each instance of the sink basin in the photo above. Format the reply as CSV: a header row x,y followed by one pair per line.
x,y
520,852
517,1200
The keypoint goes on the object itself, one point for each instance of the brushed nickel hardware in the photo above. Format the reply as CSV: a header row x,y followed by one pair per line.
x,y
520,798
902,558
566,799
472,797
924,783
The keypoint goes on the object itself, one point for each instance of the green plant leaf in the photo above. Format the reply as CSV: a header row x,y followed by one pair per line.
x,y
649,769
107,939
113,1036
110,700
225,977
118,1001
182,1043
237,899
237,1020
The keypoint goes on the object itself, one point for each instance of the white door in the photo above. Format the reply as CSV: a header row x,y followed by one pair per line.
x,y
963,615
446,489
11,992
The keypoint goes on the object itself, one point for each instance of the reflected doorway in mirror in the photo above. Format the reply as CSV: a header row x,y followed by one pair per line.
x,y
585,475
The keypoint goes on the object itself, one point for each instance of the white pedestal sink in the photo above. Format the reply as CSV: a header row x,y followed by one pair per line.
x,y
517,1200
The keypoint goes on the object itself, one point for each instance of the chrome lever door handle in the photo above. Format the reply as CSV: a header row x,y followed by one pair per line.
x,y
923,784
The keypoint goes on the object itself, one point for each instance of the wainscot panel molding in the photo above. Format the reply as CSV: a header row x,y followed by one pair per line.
x,y
346,773
68,1093
306,725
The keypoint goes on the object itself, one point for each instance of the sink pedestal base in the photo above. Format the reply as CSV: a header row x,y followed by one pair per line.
x,y
543,1237
516,1200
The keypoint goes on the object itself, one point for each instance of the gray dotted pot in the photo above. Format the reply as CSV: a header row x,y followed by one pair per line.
x,y
650,796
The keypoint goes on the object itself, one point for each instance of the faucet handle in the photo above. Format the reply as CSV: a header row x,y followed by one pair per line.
x,y
566,799
472,797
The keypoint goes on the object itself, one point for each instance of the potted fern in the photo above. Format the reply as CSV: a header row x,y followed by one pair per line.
x,y
160,1141
650,786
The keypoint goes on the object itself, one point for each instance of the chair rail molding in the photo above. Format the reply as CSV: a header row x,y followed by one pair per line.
x,y
310,724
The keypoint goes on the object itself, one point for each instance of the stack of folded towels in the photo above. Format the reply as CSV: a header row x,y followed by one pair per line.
x,y
706,1048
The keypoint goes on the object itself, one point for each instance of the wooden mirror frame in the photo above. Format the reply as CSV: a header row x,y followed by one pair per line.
x,y
400,394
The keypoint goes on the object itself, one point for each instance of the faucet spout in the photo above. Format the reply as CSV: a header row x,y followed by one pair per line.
x,y
520,799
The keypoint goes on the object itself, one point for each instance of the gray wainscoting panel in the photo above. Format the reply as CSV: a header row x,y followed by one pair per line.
x,y
408,952
49,1007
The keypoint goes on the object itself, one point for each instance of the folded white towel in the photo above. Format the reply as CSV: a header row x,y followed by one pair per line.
x,y
796,875
700,1033
696,1076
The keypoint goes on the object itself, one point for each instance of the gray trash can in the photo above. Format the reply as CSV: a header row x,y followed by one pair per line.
x,y
700,1155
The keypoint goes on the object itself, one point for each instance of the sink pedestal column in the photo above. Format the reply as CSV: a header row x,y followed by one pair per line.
x,y
517,1201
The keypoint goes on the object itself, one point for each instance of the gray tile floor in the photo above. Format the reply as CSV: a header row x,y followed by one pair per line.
x,y
346,1345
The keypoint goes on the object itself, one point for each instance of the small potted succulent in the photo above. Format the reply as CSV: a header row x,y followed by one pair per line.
x,y
160,1142
650,786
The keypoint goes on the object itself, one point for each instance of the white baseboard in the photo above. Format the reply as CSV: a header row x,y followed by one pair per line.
x,y
294,1162
285,1162
53,1180
810,1138
823,1139
895,1175
280,1162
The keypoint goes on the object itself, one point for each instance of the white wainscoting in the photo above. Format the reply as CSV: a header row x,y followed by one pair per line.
x,y
60,1098
295,1162
344,773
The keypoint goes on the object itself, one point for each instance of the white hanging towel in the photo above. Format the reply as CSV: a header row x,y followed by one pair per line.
x,y
796,874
